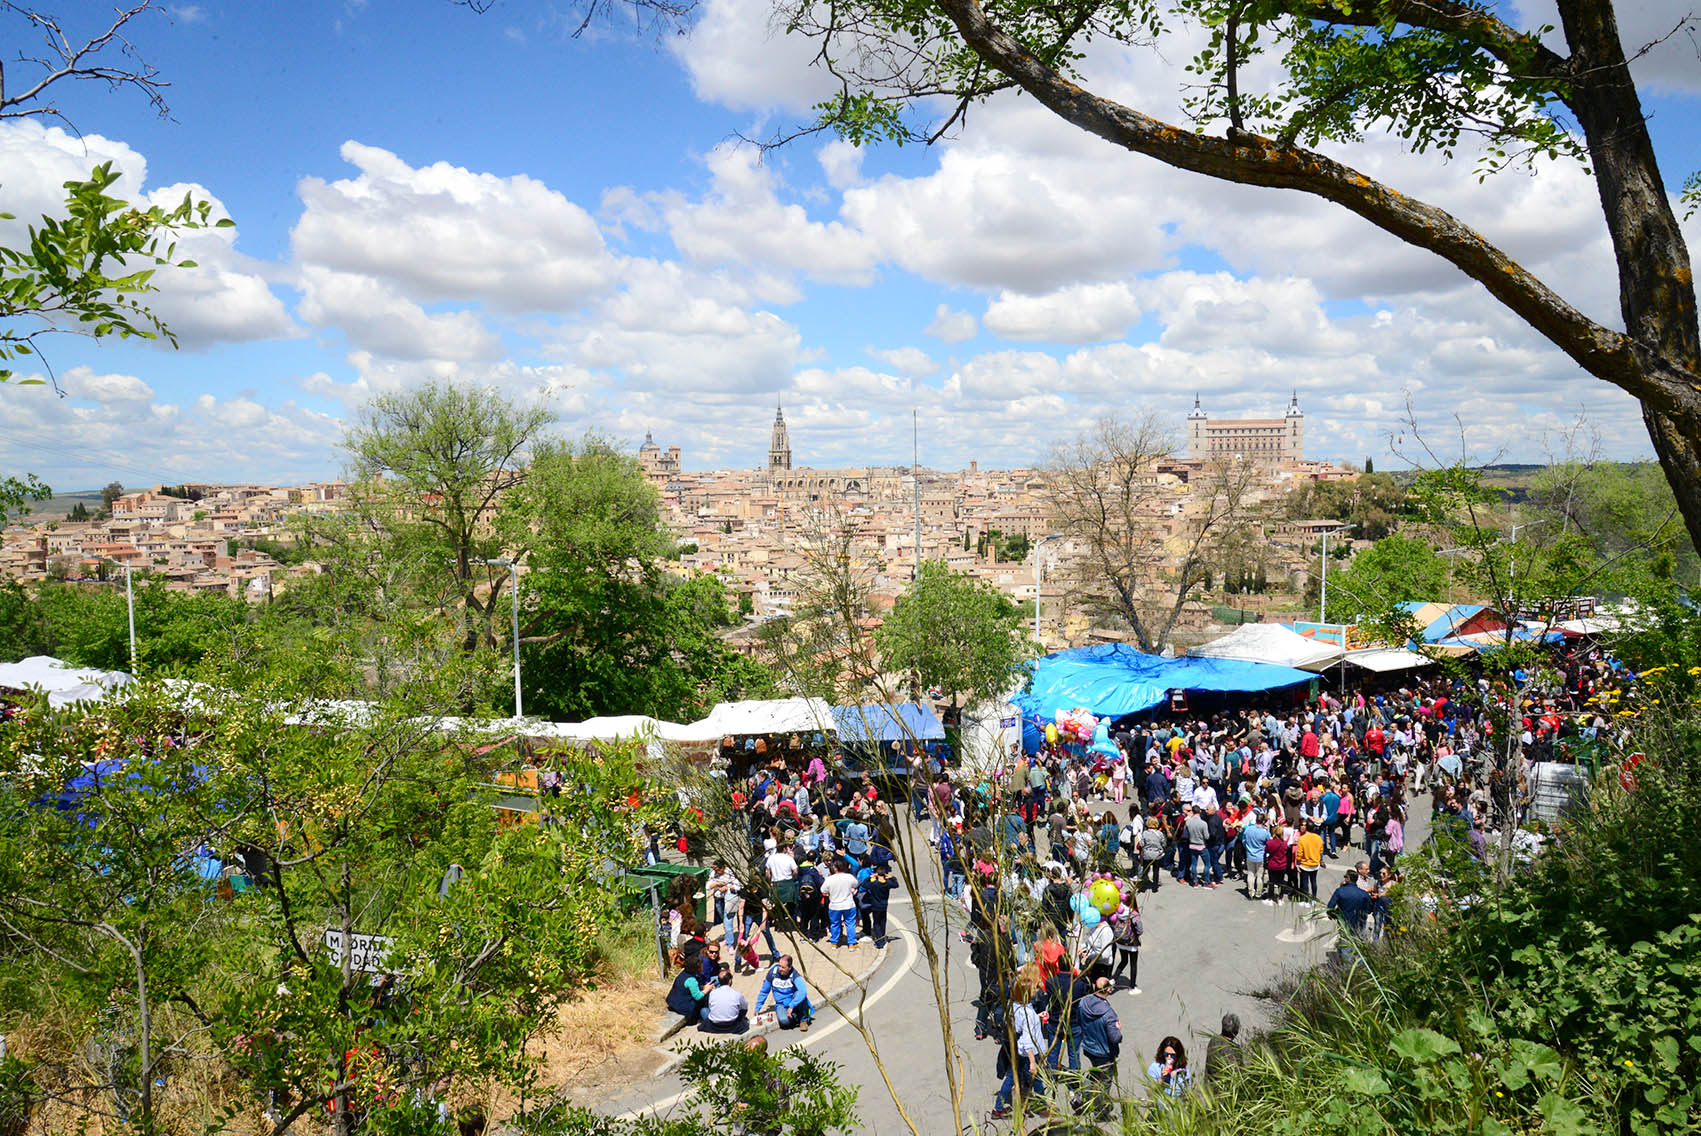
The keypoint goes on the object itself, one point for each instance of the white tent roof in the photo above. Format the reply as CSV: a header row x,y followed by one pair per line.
x,y
1387,659
1270,643
762,716
63,683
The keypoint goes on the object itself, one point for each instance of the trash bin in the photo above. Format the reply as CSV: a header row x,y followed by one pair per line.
x,y
638,881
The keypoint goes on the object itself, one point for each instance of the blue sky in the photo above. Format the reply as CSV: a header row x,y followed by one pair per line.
x,y
421,191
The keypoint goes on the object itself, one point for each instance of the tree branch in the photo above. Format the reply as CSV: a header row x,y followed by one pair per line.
x,y
1253,160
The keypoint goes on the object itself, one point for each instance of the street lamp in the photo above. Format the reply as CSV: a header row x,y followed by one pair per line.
x,y
514,590
129,603
1323,588
1039,569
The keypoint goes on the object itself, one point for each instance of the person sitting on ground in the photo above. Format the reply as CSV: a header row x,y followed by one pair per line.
x,y
725,1010
689,993
791,997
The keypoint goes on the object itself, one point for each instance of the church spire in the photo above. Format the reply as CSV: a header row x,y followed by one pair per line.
x,y
779,443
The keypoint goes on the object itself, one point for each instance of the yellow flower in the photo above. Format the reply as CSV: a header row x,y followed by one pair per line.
x,y
1629,1064
1498,1093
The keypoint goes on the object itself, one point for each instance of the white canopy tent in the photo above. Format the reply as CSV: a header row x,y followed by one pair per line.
x,y
761,716
63,683
1387,659
1270,643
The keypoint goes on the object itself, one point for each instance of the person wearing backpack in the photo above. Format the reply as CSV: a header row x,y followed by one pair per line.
x,y
1101,1044
1129,928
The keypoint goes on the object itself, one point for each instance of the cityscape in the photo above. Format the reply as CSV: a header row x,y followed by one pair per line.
x,y
741,568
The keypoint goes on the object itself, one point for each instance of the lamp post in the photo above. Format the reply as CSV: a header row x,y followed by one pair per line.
x,y
1039,575
1323,587
514,596
129,604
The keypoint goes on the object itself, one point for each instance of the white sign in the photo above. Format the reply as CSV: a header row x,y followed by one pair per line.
x,y
369,954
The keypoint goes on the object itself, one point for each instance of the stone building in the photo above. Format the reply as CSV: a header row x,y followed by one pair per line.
x,y
1270,441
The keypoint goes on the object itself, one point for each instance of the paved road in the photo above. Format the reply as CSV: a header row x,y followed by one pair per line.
x,y
1205,953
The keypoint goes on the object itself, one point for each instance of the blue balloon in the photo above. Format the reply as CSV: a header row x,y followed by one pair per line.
x,y
1090,917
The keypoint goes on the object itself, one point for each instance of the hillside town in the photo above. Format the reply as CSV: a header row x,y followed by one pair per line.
x,y
750,527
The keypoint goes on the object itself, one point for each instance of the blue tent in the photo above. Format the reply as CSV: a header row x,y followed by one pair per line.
x,y
887,723
1113,679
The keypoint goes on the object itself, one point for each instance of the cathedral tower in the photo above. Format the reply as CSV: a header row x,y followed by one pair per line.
x,y
779,445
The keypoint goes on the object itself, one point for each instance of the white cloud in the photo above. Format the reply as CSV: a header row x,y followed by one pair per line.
x,y
1077,313
738,55
990,218
91,436
82,382
911,361
951,325
374,317
841,162
743,222
188,13
443,232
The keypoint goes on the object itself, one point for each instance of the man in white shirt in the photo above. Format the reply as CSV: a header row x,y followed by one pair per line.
x,y
782,865
839,890
726,1010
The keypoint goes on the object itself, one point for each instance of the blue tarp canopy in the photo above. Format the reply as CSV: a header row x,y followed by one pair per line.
x,y
1113,679
888,723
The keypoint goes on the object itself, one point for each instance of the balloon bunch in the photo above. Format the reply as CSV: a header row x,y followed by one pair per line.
x,y
1103,897
1075,725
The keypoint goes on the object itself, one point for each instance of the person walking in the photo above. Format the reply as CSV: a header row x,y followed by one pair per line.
x,y
1101,1044
1129,928
1152,844
1025,1027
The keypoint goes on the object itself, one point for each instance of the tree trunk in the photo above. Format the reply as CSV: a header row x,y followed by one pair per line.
x,y
1656,282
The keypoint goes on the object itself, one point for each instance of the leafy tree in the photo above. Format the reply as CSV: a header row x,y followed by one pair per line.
x,y
1282,77
1627,515
79,512
1370,465
75,276
606,630
17,492
1372,501
1394,570
88,624
111,493
343,822
431,468
955,633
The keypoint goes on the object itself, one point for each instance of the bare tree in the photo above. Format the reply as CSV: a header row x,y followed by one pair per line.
x,y
105,55
1140,544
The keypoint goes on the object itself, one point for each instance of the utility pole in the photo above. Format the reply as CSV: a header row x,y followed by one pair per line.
x,y
1039,569
514,597
1323,587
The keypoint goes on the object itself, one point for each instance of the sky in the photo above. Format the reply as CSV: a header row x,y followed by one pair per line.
x,y
424,192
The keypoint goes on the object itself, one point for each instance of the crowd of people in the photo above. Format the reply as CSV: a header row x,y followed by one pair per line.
x,y
1050,853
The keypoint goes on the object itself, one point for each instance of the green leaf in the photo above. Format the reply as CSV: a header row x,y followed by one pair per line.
x,y
1563,1116
1423,1045
1666,1049
1493,1127
1539,1059
1364,1082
